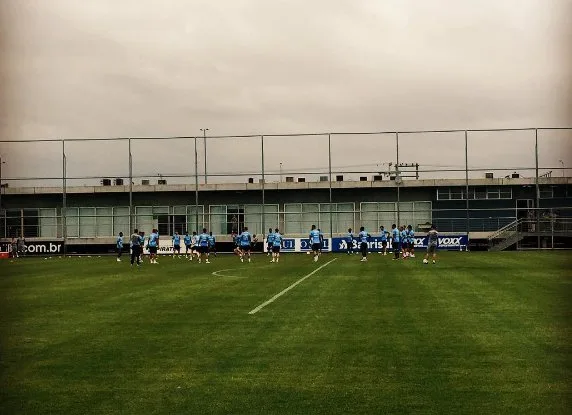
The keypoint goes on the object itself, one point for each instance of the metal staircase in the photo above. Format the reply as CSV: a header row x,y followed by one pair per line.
x,y
506,236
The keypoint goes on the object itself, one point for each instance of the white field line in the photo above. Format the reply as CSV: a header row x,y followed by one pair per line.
x,y
217,273
284,291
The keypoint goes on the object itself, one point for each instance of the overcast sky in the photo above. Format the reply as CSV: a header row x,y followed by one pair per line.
x,y
144,68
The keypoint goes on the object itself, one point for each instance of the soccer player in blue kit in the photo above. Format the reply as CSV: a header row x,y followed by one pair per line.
x,y
245,241
276,243
395,241
119,246
176,244
270,242
383,237
363,238
187,241
153,246
212,244
315,242
350,242
411,236
204,246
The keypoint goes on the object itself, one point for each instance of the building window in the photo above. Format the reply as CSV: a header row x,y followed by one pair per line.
x,y
546,193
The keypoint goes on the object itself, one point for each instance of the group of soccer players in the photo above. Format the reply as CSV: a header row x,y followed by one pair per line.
x,y
402,242
204,244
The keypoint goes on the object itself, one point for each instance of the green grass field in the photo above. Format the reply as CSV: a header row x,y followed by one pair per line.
x,y
478,333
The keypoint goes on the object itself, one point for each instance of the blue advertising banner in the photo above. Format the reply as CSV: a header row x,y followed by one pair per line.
x,y
449,242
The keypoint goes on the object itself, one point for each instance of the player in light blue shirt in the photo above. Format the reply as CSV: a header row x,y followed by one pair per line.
x,y
176,244
383,236
350,242
404,248
203,248
411,241
276,244
395,241
269,242
315,242
153,246
363,238
245,241
212,244
187,241
119,246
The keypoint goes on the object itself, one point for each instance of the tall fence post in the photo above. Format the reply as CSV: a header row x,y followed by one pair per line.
x,y
537,188
397,179
131,221
330,184
263,191
64,199
468,225
196,187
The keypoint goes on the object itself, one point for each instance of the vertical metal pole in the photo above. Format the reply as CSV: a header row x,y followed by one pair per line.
x,y
330,184
204,130
64,198
537,188
2,214
1,188
196,187
263,191
396,173
131,224
467,181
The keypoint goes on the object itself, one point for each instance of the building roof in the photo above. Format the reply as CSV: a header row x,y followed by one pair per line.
x,y
274,186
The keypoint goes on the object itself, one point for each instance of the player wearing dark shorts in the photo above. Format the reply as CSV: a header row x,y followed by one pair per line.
x,y
135,241
276,243
395,241
176,244
269,242
315,242
363,238
245,240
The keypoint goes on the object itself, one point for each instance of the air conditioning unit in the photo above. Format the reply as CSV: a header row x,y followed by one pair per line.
x,y
340,178
363,179
515,175
106,182
261,181
377,178
161,181
289,179
118,182
301,179
251,180
488,175
323,178
145,182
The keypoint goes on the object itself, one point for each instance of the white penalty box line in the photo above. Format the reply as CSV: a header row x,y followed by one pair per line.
x,y
284,291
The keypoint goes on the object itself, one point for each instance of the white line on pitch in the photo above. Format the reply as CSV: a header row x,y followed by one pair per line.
x,y
284,291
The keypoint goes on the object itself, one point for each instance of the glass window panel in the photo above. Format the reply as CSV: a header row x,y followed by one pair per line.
x,y
443,193
104,223
218,219
179,210
480,193
72,222
121,220
144,218
48,223
86,222
505,193
192,218
423,213
493,193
